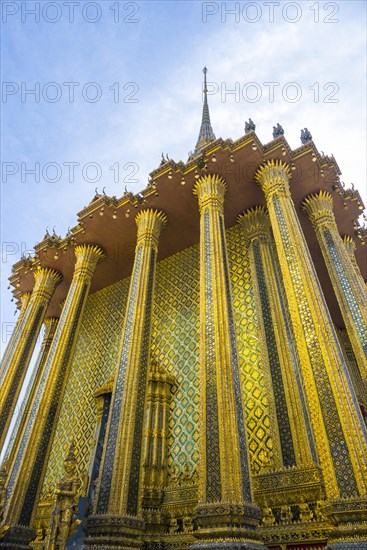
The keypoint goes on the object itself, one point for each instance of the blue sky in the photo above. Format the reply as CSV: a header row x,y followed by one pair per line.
x,y
156,50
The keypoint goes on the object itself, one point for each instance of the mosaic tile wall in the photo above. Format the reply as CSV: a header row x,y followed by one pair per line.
x,y
175,345
254,383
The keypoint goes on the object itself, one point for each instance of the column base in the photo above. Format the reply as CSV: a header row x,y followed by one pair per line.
x,y
357,545
227,526
109,532
285,486
16,537
349,520
228,546
153,545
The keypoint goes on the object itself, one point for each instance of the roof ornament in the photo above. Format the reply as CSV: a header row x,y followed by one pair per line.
x,y
305,136
250,126
165,159
278,131
96,195
206,134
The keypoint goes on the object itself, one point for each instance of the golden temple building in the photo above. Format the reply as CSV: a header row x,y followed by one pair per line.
x,y
202,378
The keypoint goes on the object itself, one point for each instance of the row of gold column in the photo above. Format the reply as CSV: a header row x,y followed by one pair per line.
x,y
224,500
339,430
334,415
22,345
50,325
349,287
296,434
35,433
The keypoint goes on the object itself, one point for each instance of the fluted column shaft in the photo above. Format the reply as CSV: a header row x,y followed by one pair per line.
x,y
24,301
26,476
13,374
50,329
351,295
337,422
156,433
224,480
296,435
121,479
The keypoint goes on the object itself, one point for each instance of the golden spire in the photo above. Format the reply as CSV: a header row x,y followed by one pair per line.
x,y
206,134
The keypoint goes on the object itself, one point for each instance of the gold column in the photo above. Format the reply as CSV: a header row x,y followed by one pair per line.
x,y
297,441
351,295
26,476
338,426
50,329
350,245
224,497
24,300
120,492
13,374
355,375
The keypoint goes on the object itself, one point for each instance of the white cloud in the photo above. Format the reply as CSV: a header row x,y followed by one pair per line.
x,y
165,56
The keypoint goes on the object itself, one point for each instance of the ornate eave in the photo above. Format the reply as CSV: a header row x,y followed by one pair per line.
x,y
109,221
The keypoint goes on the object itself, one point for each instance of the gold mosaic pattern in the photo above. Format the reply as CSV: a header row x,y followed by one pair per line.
x,y
175,346
249,352
94,363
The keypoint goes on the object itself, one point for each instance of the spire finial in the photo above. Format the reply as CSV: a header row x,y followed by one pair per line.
x,y
206,134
